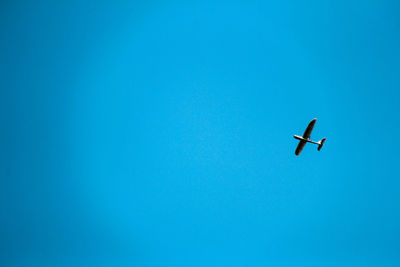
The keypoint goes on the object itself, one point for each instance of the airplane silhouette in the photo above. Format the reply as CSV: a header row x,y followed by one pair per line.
x,y
306,138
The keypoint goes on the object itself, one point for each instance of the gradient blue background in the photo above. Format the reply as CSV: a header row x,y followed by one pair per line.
x,y
159,133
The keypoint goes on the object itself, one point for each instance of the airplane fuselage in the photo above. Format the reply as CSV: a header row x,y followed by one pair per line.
x,y
304,139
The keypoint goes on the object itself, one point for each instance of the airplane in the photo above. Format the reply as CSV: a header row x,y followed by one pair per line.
x,y
306,138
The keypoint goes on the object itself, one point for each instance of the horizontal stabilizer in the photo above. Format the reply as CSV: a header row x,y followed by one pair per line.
x,y
321,143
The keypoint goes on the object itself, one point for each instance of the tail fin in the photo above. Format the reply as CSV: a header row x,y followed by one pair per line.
x,y
321,143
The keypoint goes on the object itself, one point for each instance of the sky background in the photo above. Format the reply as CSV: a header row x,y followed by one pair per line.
x,y
160,133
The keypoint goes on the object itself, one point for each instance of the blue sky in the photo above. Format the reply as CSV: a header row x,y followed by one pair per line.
x,y
160,133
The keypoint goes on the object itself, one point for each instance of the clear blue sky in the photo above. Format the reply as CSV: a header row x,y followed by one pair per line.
x,y
160,133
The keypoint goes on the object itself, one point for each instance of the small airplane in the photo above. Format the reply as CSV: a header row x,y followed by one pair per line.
x,y
306,138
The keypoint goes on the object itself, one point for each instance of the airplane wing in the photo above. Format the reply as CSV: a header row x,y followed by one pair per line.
x,y
307,132
300,147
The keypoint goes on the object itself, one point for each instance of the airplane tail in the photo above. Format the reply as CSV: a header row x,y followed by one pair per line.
x,y
321,143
